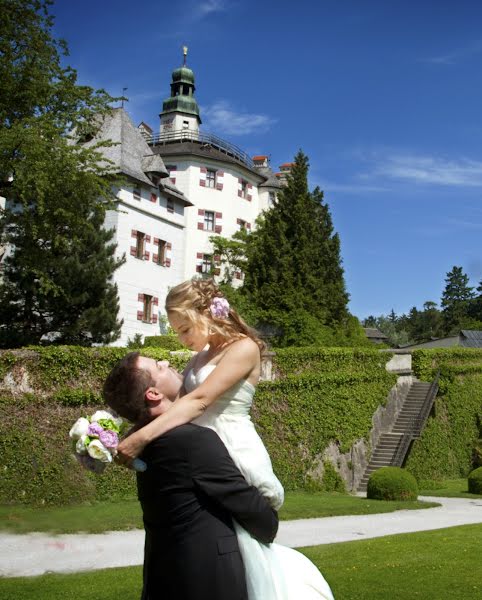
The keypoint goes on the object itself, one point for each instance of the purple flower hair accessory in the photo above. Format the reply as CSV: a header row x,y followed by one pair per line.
x,y
219,308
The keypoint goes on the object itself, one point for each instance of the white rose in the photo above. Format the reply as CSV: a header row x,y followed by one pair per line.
x,y
80,445
97,450
101,414
79,428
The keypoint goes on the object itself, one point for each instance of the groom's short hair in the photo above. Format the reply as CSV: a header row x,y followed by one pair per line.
x,y
125,387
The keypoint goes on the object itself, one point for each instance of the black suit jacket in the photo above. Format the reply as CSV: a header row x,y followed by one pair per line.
x,y
189,494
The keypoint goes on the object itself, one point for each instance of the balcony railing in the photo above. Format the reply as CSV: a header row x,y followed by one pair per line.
x,y
204,140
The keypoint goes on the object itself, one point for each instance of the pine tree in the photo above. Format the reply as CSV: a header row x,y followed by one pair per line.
x,y
475,306
56,280
293,275
456,299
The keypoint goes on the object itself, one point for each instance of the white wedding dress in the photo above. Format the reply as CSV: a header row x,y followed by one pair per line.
x,y
273,572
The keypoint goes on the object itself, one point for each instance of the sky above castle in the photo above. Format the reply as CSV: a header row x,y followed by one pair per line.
x,y
384,97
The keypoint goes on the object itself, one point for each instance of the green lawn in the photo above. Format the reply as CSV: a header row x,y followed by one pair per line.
x,y
433,565
110,516
302,505
451,488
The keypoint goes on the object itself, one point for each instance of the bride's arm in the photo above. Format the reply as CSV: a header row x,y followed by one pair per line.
x,y
237,363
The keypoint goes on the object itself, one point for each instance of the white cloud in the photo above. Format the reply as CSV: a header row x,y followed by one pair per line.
x,y
451,58
430,170
211,6
222,118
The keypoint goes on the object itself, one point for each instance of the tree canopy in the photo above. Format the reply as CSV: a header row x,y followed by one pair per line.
x,y
56,278
294,285
461,308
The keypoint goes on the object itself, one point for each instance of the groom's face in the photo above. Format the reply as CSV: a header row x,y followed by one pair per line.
x,y
165,379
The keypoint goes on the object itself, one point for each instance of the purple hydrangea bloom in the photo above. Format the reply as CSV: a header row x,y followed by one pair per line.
x,y
95,429
109,438
220,308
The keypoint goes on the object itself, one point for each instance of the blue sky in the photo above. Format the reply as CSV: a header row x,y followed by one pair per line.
x,y
384,97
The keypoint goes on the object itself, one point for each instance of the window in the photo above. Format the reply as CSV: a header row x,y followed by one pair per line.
x,y
147,309
185,124
271,199
206,264
170,205
210,178
137,193
242,224
208,220
162,252
244,189
140,244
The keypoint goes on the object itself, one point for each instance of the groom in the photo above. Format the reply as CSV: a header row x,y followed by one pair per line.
x,y
190,494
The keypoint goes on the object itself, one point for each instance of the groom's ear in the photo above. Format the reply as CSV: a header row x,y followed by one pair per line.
x,y
153,395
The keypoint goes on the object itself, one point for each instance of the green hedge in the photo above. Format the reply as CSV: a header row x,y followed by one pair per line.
x,y
446,447
297,416
392,483
46,390
168,342
292,361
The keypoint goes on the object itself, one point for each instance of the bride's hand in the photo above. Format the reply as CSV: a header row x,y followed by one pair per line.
x,y
130,448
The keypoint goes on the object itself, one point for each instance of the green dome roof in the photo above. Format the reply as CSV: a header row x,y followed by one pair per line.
x,y
184,104
184,75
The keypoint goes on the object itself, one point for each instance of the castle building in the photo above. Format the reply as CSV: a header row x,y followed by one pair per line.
x,y
227,188
180,187
149,226
177,188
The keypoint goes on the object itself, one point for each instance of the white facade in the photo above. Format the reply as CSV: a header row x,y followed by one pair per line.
x,y
149,226
152,265
225,197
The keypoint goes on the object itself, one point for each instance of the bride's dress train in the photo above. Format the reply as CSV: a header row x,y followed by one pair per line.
x,y
273,572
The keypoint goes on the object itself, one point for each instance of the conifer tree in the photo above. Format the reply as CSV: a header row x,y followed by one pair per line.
x,y
293,275
56,279
456,299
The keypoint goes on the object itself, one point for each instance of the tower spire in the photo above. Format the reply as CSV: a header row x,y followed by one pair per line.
x,y
180,112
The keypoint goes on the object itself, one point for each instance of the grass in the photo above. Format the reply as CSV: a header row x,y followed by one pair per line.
x,y
111,516
430,565
302,505
451,488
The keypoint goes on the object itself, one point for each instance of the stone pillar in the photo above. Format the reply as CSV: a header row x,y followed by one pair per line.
x,y
267,366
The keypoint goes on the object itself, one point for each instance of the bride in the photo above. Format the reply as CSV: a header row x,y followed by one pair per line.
x,y
218,389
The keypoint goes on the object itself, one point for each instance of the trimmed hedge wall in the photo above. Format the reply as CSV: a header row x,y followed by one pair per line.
x,y
446,447
168,342
44,390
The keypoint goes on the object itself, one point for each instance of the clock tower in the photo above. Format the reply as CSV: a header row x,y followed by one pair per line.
x,y
180,112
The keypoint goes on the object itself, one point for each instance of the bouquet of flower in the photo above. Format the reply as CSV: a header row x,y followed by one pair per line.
x,y
95,441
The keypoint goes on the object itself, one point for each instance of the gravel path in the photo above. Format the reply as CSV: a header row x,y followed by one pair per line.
x,y
37,553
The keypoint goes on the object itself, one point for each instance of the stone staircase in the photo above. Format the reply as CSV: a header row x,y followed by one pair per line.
x,y
393,446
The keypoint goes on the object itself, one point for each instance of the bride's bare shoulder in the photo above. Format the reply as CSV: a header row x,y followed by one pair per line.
x,y
244,347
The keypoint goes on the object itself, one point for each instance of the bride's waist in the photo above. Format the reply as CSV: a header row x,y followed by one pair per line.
x,y
228,414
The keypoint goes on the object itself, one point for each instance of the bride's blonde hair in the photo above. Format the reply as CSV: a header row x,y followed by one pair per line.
x,y
192,299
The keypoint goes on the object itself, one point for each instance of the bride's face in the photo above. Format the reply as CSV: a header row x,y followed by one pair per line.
x,y
192,335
